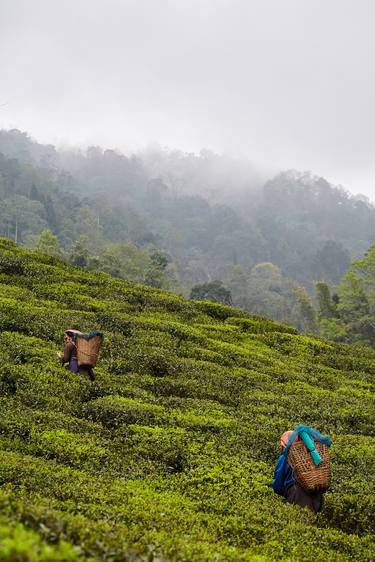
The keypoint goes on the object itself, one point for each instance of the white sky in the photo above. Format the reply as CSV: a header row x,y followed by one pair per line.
x,y
288,83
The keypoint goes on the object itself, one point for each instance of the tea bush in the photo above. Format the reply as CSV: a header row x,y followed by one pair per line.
x,y
113,411
169,454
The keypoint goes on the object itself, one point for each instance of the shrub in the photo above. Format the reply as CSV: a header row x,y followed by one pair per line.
x,y
167,445
66,447
260,325
113,411
219,311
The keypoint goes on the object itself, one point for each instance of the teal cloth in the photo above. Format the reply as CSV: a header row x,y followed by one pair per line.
x,y
314,434
310,446
91,334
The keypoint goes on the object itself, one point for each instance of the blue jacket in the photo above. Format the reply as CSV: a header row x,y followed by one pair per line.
x,y
283,476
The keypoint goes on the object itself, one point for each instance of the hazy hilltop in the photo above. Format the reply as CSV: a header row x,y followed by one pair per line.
x,y
218,178
169,455
186,220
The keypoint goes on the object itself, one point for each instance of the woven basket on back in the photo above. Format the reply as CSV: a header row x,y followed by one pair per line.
x,y
311,477
88,350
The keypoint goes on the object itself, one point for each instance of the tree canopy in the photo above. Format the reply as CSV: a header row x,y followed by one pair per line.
x,y
121,213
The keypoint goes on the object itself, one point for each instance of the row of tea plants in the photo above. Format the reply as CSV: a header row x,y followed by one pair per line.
x,y
169,454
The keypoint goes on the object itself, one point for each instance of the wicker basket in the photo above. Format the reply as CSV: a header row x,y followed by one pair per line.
x,y
88,350
311,477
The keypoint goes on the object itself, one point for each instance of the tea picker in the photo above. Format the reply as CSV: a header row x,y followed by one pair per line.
x,y
303,471
81,351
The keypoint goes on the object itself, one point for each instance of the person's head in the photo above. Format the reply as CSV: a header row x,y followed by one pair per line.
x,y
70,335
285,438
67,337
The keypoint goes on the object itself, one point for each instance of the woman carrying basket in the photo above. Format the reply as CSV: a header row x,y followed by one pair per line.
x,y
303,471
69,355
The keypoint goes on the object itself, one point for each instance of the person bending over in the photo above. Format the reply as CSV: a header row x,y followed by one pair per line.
x,y
69,355
285,483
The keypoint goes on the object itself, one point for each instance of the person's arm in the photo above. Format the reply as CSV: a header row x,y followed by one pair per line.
x,y
67,355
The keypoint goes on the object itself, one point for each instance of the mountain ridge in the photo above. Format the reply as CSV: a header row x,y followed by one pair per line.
x,y
299,222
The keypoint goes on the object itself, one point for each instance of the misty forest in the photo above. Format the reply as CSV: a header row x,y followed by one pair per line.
x,y
232,309
293,248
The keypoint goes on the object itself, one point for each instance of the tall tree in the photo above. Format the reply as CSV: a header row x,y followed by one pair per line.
x,y
331,261
327,307
124,260
357,299
48,243
213,291
307,312
155,275
79,252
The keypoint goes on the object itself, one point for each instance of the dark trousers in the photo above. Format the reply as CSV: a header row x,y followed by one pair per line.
x,y
296,494
73,366
87,371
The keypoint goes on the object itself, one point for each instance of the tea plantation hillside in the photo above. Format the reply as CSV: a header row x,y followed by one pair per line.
x,y
169,455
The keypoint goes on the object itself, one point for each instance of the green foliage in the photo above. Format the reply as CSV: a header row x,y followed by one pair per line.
x,y
124,260
18,543
139,218
169,454
113,411
48,243
307,311
213,291
350,314
265,291
166,445
331,261
218,311
79,252
357,292
258,326
67,447
155,272
333,329
327,307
